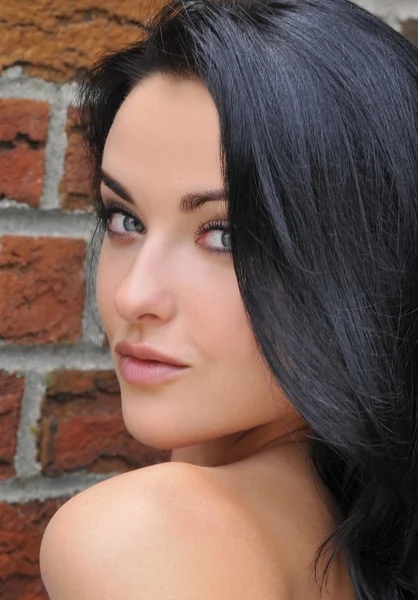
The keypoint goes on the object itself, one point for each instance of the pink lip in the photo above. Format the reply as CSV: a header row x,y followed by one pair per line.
x,y
144,352
144,365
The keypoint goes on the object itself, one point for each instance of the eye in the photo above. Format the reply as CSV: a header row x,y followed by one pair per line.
x,y
216,236
118,221
121,223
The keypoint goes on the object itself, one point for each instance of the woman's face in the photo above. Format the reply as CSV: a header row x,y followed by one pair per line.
x,y
167,281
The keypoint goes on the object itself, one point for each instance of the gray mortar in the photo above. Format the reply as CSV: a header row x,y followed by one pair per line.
x,y
44,359
24,462
406,9
19,219
92,329
27,489
392,11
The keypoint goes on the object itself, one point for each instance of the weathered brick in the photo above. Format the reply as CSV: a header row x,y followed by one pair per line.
x,y
21,531
45,284
75,189
24,117
410,30
57,40
81,427
23,130
11,391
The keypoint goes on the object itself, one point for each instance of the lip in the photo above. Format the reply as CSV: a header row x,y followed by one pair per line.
x,y
144,352
143,365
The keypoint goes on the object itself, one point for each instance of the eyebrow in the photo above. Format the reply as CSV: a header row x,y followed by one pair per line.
x,y
189,202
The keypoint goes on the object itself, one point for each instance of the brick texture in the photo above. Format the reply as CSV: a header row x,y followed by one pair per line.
x,y
23,130
74,187
58,40
11,391
81,427
44,279
21,531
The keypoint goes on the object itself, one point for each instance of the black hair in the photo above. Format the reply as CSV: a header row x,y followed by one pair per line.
x,y
317,103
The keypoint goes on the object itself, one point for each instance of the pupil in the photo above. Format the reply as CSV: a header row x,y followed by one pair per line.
x,y
226,238
129,224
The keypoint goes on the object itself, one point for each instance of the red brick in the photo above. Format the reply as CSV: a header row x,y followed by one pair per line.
x,y
57,40
75,184
22,170
410,30
24,117
75,188
21,531
81,427
45,283
11,391
23,130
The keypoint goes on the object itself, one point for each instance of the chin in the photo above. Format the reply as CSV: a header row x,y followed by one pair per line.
x,y
151,427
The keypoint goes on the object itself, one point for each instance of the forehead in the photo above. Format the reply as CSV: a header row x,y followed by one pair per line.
x,y
167,127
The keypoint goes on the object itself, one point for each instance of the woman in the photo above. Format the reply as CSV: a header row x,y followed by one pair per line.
x,y
255,172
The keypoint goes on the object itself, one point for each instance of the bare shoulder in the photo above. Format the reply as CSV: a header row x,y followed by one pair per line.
x,y
166,531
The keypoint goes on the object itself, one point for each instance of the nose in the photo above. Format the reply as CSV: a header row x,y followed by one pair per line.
x,y
144,293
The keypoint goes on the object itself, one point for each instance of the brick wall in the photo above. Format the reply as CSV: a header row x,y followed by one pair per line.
x,y
61,428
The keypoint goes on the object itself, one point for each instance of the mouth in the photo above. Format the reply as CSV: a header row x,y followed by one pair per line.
x,y
147,372
143,365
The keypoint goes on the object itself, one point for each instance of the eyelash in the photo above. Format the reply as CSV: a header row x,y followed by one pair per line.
x,y
105,211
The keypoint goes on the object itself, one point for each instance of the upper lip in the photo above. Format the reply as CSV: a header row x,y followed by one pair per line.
x,y
143,352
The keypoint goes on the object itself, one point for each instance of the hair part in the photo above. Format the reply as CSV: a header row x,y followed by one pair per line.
x,y
317,103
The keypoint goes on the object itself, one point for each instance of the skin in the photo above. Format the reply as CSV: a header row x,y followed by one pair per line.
x,y
166,286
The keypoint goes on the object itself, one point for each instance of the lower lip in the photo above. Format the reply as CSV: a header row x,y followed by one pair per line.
x,y
146,372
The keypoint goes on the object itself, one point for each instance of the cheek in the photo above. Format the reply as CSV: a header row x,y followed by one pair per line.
x,y
228,336
224,321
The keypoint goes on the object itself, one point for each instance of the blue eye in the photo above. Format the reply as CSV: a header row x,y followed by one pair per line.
x,y
218,234
118,221
121,223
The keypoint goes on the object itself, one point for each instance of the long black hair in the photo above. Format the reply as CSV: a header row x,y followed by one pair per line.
x,y
317,103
